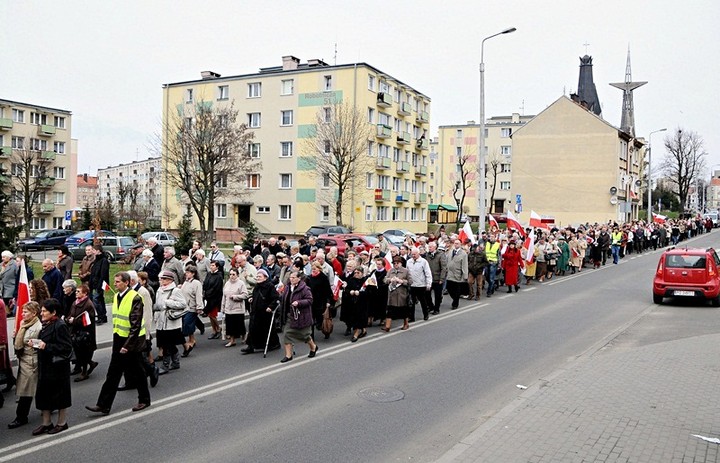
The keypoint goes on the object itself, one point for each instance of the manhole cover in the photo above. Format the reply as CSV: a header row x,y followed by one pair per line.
x,y
381,394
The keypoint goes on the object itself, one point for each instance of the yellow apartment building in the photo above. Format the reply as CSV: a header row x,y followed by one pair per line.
x,y
575,166
281,104
42,135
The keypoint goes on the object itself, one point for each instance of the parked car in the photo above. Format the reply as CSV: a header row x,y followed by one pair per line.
x,y
317,230
345,242
79,237
687,273
163,238
397,236
115,247
45,239
714,217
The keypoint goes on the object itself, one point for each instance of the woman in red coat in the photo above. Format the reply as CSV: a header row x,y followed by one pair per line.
x,y
511,263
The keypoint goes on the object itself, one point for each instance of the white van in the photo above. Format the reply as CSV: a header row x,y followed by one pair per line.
x,y
713,215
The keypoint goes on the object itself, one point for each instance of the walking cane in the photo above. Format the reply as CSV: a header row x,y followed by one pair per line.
x,y
272,327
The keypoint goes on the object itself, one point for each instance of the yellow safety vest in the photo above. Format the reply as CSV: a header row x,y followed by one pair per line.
x,y
491,251
121,315
617,238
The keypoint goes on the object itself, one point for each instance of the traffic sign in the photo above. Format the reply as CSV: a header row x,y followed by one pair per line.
x,y
518,199
68,216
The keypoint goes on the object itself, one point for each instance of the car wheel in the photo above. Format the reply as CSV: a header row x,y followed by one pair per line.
x,y
715,301
110,256
657,299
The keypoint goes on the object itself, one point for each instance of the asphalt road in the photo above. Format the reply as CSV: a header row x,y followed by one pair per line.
x,y
450,374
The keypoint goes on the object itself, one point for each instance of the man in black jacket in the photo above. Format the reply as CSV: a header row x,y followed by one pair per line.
x,y
99,275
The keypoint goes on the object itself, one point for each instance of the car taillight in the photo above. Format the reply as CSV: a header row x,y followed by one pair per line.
x,y
660,268
120,250
711,268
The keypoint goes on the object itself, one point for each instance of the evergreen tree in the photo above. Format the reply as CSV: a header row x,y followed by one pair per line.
x,y
251,232
185,234
86,218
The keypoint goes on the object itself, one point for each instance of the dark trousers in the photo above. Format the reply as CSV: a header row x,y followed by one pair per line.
x,y
131,364
23,408
454,288
98,299
419,294
435,293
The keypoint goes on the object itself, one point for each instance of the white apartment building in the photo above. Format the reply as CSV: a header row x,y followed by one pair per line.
x,y
141,179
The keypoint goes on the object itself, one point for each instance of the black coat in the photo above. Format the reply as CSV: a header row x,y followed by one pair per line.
x,y
99,272
322,295
213,291
53,390
264,295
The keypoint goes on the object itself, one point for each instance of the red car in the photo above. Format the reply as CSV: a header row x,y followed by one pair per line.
x,y
343,242
687,272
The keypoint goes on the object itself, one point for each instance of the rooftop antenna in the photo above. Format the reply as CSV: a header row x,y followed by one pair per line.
x,y
586,45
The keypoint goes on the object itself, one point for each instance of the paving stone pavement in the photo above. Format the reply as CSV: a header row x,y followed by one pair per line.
x,y
638,405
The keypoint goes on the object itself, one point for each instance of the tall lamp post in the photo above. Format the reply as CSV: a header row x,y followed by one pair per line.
x,y
481,138
649,201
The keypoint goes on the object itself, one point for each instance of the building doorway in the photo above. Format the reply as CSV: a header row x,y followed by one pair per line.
x,y
243,215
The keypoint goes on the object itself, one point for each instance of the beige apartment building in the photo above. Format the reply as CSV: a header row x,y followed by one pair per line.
x,y
281,104
457,150
139,183
87,191
41,135
571,164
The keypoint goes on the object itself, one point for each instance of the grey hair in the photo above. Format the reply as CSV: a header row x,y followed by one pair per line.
x,y
69,284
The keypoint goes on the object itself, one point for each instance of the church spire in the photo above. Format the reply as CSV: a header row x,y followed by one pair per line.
x,y
627,123
587,94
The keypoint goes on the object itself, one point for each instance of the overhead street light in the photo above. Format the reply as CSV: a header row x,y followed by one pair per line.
x,y
481,138
649,196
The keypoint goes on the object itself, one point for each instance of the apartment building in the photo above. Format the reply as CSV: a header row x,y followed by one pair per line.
x,y
281,105
39,138
87,191
139,184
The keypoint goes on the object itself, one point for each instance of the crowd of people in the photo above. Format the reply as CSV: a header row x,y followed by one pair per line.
x,y
271,295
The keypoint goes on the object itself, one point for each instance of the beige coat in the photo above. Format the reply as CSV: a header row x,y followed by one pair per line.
x,y
27,378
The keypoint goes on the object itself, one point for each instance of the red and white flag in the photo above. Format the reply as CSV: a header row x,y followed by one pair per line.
x,y
106,286
23,296
85,319
512,222
536,221
529,246
466,233
493,223
657,218
388,262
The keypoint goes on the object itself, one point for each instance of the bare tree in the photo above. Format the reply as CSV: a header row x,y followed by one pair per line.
x,y
493,168
462,176
208,158
29,167
338,151
684,161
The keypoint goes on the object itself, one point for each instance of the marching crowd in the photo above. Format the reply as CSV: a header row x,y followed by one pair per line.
x,y
275,296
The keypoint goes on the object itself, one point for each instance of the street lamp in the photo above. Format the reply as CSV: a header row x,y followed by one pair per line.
x,y
649,150
481,138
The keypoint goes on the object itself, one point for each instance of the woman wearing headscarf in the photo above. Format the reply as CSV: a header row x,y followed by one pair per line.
x,y
27,377
82,332
54,350
263,302
235,294
398,281
192,290
296,316
356,303
511,264
322,295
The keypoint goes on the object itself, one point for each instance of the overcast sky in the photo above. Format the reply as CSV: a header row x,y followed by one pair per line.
x,y
106,61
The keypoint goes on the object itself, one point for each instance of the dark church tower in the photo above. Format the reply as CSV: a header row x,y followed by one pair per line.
x,y
587,94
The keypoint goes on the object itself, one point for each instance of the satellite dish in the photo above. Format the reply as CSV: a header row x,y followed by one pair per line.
x,y
613,200
638,183
613,190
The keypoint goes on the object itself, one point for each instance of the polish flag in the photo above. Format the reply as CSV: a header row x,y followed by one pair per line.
x,y
337,287
536,221
106,286
466,233
529,245
493,222
512,222
657,218
86,319
23,296
388,262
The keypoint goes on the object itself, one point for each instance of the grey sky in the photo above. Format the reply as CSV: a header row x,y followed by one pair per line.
x,y
106,61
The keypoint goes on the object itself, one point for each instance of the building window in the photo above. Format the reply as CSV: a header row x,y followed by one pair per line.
x,y
368,180
18,143
220,182
458,151
506,132
18,115
326,181
368,214
458,136
285,212
504,185
262,209
59,122
287,87
371,115
327,83
38,119
285,181
286,149
58,222
505,150
59,147
383,151
189,95
396,154
254,90
59,197
254,120
221,211
382,213
371,83
325,214
395,214
286,117
383,182
38,223
254,150
59,173
223,92
504,167
253,181
327,148
327,115
413,214
38,145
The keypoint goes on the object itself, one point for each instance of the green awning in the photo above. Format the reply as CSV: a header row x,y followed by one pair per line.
x,y
446,207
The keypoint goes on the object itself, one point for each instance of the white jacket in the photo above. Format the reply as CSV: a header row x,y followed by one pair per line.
x,y
169,300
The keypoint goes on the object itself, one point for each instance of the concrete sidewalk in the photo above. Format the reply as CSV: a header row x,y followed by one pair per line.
x,y
637,405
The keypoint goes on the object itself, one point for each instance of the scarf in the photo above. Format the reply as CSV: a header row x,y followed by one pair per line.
x,y
50,321
20,336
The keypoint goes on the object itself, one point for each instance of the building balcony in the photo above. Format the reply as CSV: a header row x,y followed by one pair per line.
x,y
383,163
384,99
382,195
384,131
45,130
46,208
422,144
5,151
6,124
4,180
403,166
402,196
403,138
420,198
47,156
46,182
420,171
405,109
423,117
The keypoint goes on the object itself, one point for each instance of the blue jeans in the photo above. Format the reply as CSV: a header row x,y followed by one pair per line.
x,y
491,273
615,249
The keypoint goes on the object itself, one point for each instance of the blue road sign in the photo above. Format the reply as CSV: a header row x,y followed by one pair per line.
x,y
518,199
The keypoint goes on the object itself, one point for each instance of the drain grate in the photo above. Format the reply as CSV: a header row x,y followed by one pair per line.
x,y
381,394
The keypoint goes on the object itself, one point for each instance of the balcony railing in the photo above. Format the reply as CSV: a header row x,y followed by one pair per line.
x,y
4,179
423,117
6,124
383,163
403,138
46,182
384,131
402,196
5,151
420,197
47,156
422,144
45,130
384,99
403,166
420,171
405,109
47,208
382,195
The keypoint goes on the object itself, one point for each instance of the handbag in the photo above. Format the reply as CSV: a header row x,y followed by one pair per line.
x,y
327,326
80,338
